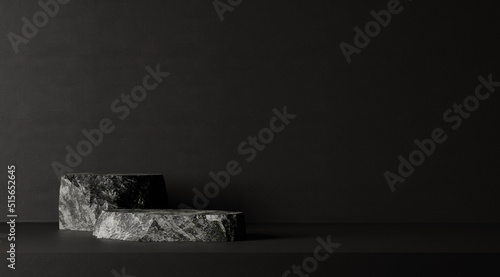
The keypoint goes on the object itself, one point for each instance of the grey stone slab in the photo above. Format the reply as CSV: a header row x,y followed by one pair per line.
x,y
170,225
83,196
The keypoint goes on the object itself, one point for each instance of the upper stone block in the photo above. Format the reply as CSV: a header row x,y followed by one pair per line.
x,y
83,196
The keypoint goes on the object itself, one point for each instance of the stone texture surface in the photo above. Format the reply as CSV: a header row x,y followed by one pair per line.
x,y
170,225
83,196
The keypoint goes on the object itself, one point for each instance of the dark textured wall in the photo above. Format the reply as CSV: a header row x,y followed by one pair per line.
x,y
353,120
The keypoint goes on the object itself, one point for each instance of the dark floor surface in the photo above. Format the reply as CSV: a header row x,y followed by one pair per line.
x,y
270,250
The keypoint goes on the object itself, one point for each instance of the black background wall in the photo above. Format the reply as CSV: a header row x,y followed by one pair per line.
x,y
353,120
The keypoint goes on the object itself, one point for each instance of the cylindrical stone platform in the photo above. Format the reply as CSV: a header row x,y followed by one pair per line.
x,y
83,196
170,225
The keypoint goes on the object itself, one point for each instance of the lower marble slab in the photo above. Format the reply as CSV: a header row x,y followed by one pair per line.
x,y
170,225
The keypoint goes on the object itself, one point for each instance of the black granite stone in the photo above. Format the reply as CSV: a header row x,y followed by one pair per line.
x,y
170,225
83,196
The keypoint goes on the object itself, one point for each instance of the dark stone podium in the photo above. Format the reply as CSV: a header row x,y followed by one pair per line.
x,y
83,196
170,225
